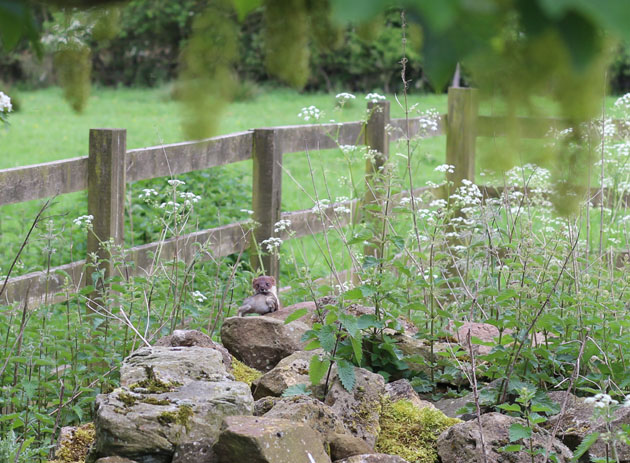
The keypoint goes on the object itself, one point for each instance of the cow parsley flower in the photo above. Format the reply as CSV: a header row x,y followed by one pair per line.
x,y
271,244
5,103
281,225
198,296
310,112
83,221
374,97
446,168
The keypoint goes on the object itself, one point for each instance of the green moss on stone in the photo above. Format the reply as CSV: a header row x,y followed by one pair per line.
x,y
181,417
75,449
411,432
127,399
153,385
244,373
154,401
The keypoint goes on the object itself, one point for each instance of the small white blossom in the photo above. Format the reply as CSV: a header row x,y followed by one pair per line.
x,y
348,149
601,400
175,183
147,193
320,206
5,103
374,97
344,97
445,168
189,198
310,112
84,220
281,225
198,296
247,211
271,244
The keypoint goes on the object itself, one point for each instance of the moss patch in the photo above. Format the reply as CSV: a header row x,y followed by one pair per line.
x,y
154,401
411,432
127,399
244,373
75,449
181,417
153,385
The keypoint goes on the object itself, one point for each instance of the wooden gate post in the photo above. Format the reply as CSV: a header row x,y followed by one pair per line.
x,y
377,140
461,134
106,192
266,196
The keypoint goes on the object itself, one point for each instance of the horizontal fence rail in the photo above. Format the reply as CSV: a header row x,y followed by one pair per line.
x,y
101,175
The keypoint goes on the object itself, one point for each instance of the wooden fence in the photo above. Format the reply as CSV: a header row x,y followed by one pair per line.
x,y
105,172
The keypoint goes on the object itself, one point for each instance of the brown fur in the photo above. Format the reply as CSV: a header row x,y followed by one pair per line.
x,y
265,299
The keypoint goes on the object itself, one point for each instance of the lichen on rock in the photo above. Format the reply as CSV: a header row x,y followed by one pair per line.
x,y
74,444
411,432
244,373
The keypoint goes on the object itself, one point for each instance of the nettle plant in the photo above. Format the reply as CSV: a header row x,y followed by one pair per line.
x,y
554,285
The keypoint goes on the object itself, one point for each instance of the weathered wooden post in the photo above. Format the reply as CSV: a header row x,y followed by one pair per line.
x,y
461,133
266,196
106,192
377,140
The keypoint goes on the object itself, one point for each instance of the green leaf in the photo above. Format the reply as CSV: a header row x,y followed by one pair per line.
x,y
299,313
327,337
357,347
317,369
244,7
586,444
510,407
297,389
314,344
345,370
354,293
512,448
518,431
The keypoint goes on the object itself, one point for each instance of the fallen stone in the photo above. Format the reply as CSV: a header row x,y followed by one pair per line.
x,y
115,460
462,443
402,389
373,458
261,342
172,365
360,408
268,440
290,371
194,338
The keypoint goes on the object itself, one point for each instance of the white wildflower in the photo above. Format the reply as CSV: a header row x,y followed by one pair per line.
x,y
320,206
198,296
189,198
271,244
344,97
445,168
175,183
147,193
374,97
5,103
83,220
281,225
310,112
247,211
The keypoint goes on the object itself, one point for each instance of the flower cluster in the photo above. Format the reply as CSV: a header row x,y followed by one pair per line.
x,y
281,225
199,296
446,168
175,183
84,221
343,98
623,102
147,194
374,97
309,113
271,244
429,122
189,198
5,103
602,400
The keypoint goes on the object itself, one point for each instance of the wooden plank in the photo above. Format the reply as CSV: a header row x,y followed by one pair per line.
x,y
461,133
398,128
42,287
523,127
39,181
296,138
221,242
179,158
266,196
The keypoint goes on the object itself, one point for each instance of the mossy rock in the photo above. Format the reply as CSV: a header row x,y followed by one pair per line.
x,y
74,447
244,373
411,432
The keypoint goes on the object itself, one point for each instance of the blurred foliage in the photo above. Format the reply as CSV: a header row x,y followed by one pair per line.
x,y
512,48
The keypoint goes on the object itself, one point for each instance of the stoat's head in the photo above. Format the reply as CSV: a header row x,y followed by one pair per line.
x,y
264,284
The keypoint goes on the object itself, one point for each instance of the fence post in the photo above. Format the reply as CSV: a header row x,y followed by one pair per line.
x,y
266,195
461,133
106,191
376,139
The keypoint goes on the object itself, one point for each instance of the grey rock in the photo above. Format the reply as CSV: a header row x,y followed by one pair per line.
x,y
360,408
268,440
261,342
290,371
115,460
194,338
462,443
578,421
195,452
177,365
